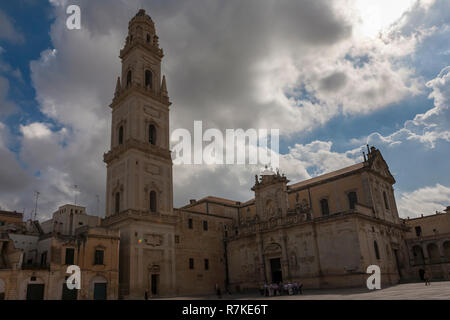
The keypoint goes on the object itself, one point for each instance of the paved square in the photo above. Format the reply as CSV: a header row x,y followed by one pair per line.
x,y
409,291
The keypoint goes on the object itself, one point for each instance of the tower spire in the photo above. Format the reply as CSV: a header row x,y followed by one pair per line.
x,y
118,87
164,92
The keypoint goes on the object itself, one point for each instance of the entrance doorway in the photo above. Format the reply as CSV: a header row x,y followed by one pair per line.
x,y
275,269
35,292
99,291
68,294
155,281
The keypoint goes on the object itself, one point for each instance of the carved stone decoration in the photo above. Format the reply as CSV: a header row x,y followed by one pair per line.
x,y
154,240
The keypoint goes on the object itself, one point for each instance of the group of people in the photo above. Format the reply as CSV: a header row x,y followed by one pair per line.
x,y
278,289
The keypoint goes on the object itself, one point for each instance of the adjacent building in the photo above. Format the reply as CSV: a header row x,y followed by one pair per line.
x,y
34,262
428,241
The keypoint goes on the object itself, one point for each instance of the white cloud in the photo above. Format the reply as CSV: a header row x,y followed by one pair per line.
x,y
426,201
35,130
429,127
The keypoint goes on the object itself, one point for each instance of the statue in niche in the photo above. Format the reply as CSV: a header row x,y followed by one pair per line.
x,y
270,208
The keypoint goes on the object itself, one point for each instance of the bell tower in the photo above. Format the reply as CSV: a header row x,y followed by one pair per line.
x,y
139,165
139,194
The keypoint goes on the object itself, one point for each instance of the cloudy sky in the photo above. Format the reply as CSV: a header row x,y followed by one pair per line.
x,y
331,75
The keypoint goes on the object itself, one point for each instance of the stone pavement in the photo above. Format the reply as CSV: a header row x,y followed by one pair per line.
x,y
408,291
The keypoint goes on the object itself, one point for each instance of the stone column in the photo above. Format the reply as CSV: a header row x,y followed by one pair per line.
x,y
286,268
262,264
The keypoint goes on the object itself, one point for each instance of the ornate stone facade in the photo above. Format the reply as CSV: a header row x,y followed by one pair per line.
x,y
322,232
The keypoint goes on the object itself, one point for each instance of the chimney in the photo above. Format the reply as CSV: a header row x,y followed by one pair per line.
x,y
192,201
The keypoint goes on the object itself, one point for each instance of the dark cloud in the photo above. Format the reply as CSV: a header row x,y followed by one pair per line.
x,y
334,82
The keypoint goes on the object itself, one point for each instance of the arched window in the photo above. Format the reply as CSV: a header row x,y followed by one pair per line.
x,y
148,38
418,255
386,204
377,252
433,253
352,199
152,201
117,204
148,79
152,134
447,250
121,135
324,207
129,78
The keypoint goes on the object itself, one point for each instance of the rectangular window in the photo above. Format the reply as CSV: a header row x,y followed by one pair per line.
x,y
191,263
352,199
206,264
190,224
205,225
324,207
386,203
70,253
418,231
98,259
44,259
177,239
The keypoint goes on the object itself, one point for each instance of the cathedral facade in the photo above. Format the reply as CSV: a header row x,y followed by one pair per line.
x,y
323,232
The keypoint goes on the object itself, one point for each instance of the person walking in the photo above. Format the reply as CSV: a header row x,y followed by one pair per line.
x,y
218,292
422,274
426,277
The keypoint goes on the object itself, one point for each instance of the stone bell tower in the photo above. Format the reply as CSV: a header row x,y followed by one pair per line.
x,y
139,194
139,164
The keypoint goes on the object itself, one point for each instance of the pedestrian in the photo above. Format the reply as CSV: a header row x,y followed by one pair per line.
x,y
266,289
146,295
422,274
219,293
426,277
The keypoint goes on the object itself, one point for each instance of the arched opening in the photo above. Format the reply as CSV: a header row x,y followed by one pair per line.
x,y
418,255
129,78
352,199
2,289
121,135
386,204
377,251
153,201
117,203
148,79
148,38
152,134
433,253
447,250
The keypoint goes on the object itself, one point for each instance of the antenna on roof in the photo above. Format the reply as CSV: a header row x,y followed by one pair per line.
x,y
75,187
37,193
98,203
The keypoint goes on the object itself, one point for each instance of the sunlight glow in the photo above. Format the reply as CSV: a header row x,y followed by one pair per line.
x,y
377,15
